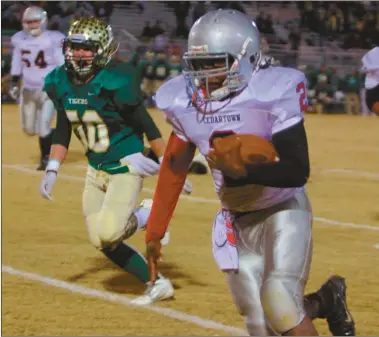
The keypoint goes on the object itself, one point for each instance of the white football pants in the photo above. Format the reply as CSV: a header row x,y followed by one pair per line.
x,y
36,112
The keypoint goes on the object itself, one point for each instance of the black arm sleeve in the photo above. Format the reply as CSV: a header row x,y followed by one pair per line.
x,y
372,96
292,170
62,134
141,121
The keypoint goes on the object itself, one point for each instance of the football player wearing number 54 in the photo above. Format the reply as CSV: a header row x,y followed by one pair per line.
x,y
101,102
36,52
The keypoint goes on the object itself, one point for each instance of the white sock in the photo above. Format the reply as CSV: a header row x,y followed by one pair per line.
x,y
142,214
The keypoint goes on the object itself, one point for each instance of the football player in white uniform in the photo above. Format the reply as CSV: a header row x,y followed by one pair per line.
x,y
370,66
262,237
36,52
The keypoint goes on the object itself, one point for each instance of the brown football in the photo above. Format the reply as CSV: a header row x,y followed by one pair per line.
x,y
255,149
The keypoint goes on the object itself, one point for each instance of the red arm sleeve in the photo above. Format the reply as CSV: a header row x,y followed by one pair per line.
x,y
172,175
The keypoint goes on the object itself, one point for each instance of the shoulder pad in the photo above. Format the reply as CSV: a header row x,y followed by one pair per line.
x,y
125,80
54,82
17,37
119,74
170,92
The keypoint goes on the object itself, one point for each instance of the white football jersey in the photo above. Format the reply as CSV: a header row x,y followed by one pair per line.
x,y
34,57
370,66
274,100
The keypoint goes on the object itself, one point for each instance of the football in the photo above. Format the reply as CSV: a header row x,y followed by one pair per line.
x,y
231,153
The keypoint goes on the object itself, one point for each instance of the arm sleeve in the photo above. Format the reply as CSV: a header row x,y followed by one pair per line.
x,y
172,176
142,121
62,134
372,97
293,168
16,65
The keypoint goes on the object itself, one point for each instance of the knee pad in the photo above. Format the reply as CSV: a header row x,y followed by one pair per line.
x,y
112,229
92,221
107,228
282,306
29,131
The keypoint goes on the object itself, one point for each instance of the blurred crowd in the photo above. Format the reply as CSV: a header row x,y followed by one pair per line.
x,y
59,13
330,93
354,24
158,57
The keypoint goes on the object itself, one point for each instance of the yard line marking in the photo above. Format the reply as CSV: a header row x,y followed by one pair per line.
x,y
196,199
124,300
353,172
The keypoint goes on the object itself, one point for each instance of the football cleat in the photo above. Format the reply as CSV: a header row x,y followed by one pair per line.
x,y
161,290
43,163
148,204
199,165
338,316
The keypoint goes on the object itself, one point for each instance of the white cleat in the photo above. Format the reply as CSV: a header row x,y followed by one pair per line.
x,y
148,203
161,290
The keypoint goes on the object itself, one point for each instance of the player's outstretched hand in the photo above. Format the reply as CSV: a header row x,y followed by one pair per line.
x,y
142,165
47,184
14,92
153,255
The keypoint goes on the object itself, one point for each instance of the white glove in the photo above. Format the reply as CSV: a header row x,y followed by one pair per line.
x,y
47,184
141,165
14,92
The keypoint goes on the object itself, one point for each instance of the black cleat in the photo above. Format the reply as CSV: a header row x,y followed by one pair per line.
x,y
340,320
197,168
43,163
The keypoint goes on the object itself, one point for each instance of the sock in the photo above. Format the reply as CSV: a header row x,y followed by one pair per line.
x,y
129,260
45,143
314,306
142,214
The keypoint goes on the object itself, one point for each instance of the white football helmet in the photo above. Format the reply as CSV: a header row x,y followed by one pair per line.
x,y
229,38
34,13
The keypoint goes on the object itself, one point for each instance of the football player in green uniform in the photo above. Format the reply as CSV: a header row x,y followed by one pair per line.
x,y
101,102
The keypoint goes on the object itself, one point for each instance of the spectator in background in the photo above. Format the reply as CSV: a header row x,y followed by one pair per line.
x,y
5,74
236,5
146,69
181,30
323,74
260,22
334,80
352,87
175,65
294,40
161,70
103,9
323,101
198,11
268,25
157,29
147,32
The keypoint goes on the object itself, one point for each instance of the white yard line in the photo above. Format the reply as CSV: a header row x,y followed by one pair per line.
x,y
124,300
353,172
326,221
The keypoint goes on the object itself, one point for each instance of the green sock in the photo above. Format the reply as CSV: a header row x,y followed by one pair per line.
x,y
129,260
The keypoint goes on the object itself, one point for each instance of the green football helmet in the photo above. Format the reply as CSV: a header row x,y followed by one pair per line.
x,y
88,34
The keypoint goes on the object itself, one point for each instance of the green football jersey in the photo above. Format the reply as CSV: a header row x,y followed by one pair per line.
x,y
98,112
175,69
